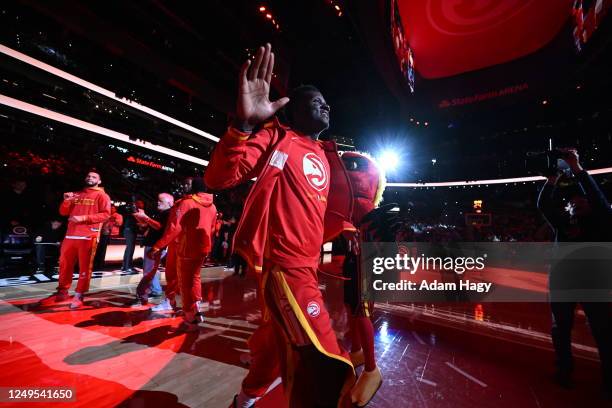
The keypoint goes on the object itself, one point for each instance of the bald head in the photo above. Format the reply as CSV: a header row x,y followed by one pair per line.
x,y
165,201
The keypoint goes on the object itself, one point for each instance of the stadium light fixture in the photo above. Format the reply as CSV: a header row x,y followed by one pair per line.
x,y
389,160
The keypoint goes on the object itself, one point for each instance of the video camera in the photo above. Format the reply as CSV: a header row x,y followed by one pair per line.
x,y
130,208
547,162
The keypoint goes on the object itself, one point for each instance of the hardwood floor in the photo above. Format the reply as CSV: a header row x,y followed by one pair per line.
x,y
114,355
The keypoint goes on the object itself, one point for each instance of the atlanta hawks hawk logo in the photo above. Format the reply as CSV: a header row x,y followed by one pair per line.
x,y
315,171
468,17
313,309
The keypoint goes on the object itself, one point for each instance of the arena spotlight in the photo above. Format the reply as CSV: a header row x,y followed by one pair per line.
x,y
388,159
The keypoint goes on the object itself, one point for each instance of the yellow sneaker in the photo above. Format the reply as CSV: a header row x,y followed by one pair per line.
x,y
366,387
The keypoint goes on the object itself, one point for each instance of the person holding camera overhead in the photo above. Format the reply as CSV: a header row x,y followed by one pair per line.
x,y
587,217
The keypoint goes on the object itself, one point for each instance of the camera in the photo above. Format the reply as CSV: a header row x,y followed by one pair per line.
x,y
130,208
546,163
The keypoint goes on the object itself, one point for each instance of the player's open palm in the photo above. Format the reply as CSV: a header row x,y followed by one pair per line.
x,y
254,104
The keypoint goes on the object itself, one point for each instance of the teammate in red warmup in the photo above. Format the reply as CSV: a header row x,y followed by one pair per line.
x,y
86,211
171,289
301,199
191,224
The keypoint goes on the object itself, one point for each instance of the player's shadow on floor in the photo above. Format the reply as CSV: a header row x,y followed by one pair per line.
x,y
120,318
97,300
143,398
216,343
135,342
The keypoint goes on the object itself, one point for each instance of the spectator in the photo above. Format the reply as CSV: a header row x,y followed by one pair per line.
x,y
17,204
47,241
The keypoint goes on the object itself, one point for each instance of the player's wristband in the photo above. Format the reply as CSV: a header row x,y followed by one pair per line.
x,y
237,134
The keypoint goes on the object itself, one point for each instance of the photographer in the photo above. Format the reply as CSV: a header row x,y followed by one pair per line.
x,y
149,284
131,227
588,218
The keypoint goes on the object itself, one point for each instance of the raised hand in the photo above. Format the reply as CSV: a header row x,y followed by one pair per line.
x,y
570,156
253,105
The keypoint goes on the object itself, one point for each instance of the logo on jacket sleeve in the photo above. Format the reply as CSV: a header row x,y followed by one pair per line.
x,y
315,171
313,309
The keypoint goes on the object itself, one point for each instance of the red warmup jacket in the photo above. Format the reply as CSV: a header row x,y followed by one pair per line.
x,y
192,220
240,156
93,204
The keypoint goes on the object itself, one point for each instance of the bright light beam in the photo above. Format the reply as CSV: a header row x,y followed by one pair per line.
x,y
76,80
69,120
604,170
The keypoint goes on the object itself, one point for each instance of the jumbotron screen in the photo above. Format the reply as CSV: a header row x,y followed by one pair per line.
x,y
403,52
587,16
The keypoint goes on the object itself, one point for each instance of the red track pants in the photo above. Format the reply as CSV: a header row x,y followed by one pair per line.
x,y
190,281
73,250
298,343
